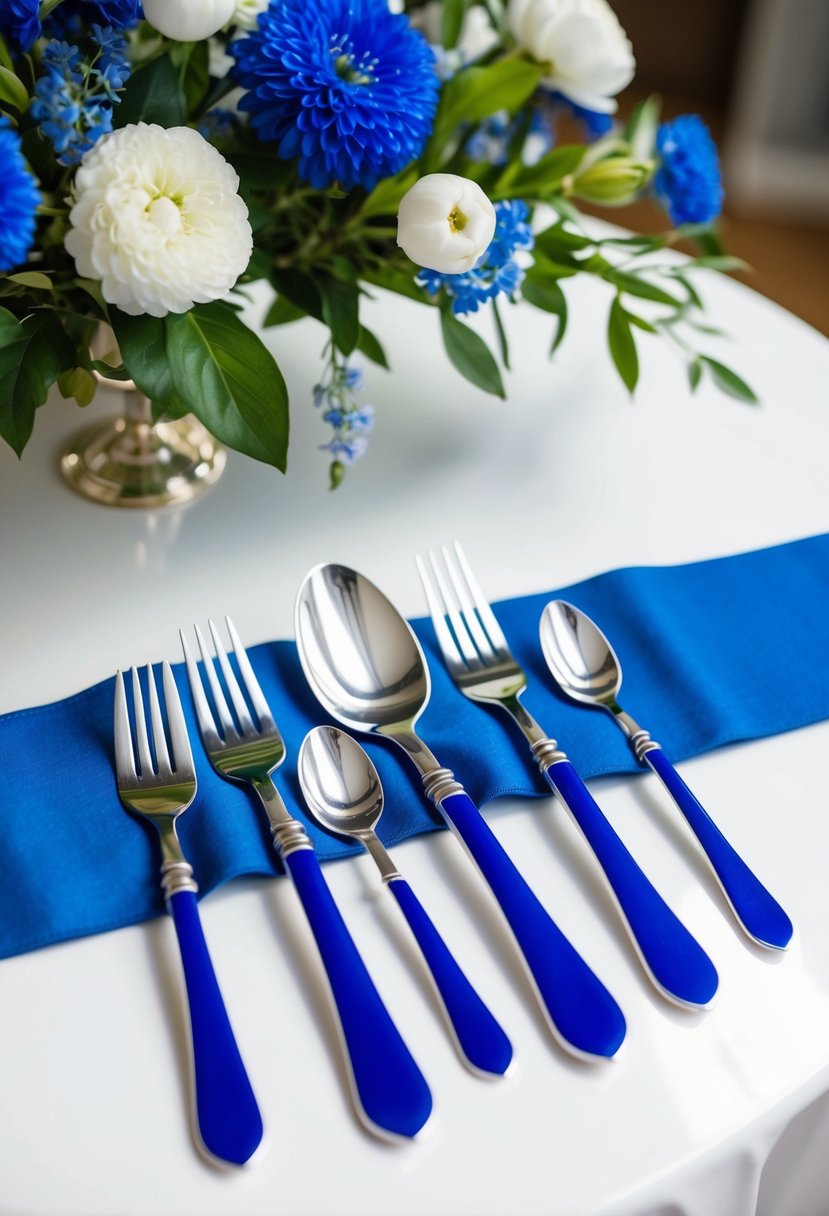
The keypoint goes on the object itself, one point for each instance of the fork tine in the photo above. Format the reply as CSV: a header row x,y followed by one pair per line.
x,y
237,697
182,754
481,603
124,756
467,608
222,708
463,642
204,714
257,697
446,640
145,759
162,756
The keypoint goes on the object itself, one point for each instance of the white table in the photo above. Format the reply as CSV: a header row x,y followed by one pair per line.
x,y
564,480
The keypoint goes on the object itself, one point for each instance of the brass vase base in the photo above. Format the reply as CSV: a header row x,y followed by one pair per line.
x,y
131,462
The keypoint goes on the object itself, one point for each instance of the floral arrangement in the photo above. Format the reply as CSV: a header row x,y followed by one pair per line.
x,y
156,159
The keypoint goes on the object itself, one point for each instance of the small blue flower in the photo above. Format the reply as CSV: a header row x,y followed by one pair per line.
x,y
346,450
73,103
688,181
345,86
496,271
19,200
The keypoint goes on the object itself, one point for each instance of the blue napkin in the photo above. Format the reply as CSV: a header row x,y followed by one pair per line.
x,y
712,652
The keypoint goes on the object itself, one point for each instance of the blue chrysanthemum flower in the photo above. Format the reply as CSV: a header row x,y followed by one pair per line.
x,y
496,272
688,180
19,20
345,86
19,199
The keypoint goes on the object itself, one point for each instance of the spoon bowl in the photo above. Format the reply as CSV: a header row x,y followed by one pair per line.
x,y
582,661
359,655
339,782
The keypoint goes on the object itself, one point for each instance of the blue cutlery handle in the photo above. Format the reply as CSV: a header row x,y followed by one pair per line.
x,y
582,1012
390,1089
674,959
758,912
479,1036
229,1122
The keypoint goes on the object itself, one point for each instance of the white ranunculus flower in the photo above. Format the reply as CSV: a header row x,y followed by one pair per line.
x,y
188,20
156,217
445,223
586,53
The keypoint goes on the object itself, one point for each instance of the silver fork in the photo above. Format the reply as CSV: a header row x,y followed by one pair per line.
x,y
485,670
390,1093
228,1121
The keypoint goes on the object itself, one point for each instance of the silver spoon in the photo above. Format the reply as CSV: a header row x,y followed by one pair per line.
x,y
367,670
343,791
585,666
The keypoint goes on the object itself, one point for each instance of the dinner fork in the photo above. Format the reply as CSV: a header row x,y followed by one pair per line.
x,y
391,1096
228,1120
484,669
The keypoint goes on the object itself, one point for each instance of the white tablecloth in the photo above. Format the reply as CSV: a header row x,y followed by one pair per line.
x,y
566,478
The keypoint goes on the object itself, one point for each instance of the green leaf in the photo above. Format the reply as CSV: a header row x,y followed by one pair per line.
x,y
192,60
386,195
729,381
452,17
474,93
401,282
542,179
622,346
641,323
503,341
300,289
557,239
282,312
723,262
369,346
340,311
693,295
33,353
12,90
79,384
636,286
544,268
31,278
470,354
694,374
207,362
153,94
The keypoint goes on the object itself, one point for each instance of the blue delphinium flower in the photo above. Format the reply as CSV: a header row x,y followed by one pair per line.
x,y
496,271
19,20
346,86
73,100
350,420
688,180
19,199
595,123
71,19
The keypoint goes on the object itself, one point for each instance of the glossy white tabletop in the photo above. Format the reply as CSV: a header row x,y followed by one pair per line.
x,y
565,479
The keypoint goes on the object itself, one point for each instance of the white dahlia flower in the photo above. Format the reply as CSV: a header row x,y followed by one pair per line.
x,y
156,217
188,20
583,48
445,223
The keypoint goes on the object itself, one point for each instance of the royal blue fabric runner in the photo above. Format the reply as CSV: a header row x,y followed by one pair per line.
x,y
712,652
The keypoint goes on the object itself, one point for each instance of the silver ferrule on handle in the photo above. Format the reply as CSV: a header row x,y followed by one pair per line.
x,y
547,753
639,739
289,835
176,871
440,783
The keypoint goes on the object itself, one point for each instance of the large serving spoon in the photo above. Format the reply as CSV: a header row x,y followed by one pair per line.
x,y
366,668
585,667
344,793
